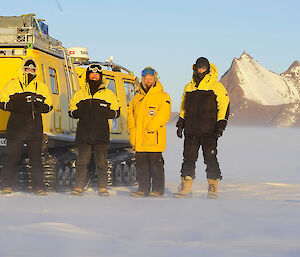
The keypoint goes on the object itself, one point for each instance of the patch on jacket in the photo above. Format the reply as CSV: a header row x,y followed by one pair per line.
x,y
151,112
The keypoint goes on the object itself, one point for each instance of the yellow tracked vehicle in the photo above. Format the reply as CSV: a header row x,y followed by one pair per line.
x,y
63,70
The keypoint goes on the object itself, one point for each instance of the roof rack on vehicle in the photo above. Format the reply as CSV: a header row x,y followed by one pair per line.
x,y
80,57
26,31
113,66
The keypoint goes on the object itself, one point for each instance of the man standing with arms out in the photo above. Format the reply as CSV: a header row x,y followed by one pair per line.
x,y
25,97
203,117
148,113
93,105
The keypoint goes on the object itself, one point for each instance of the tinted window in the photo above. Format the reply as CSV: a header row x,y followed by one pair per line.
x,y
43,73
53,80
129,90
112,85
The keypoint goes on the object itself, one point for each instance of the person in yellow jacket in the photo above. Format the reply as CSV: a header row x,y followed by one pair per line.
x,y
25,97
148,113
203,117
93,105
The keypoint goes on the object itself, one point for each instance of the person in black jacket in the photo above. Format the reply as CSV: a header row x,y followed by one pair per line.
x,y
203,118
25,97
93,105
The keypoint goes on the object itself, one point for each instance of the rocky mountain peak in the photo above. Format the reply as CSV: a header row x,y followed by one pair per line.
x,y
295,64
293,71
245,56
259,96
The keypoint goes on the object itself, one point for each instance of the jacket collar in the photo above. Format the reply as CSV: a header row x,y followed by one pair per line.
x,y
102,86
155,88
211,77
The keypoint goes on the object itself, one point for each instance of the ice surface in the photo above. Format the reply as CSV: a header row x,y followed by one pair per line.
x,y
257,212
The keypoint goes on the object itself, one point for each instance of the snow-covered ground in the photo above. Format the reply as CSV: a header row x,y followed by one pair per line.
x,y
257,212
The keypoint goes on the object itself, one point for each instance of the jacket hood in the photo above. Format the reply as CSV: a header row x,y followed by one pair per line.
x,y
155,88
212,76
155,76
20,72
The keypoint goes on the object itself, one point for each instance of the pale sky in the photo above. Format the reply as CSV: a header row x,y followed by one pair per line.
x,y
171,35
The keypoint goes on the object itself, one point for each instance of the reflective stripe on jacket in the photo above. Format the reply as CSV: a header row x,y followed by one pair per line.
x,y
147,117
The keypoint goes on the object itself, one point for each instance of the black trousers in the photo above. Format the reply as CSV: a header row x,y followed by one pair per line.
x,y
100,156
15,150
150,168
190,156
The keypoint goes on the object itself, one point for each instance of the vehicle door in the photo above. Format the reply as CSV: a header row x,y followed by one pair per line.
x,y
56,122
115,124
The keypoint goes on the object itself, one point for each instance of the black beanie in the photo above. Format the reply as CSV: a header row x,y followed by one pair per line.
x,y
30,62
202,62
92,69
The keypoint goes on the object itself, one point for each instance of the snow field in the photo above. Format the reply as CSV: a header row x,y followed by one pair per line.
x,y
257,212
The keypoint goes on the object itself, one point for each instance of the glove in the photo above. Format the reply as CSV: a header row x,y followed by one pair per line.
x,y
20,103
180,126
30,98
218,133
220,127
7,107
35,99
112,114
179,132
38,103
41,107
74,114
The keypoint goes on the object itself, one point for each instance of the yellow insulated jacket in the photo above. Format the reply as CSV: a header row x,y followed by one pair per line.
x,y
17,86
205,107
25,119
103,93
148,114
93,112
36,87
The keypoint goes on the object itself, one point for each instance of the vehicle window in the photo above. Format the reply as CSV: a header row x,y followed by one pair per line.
x,y
70,87
111,85
53,80
43,73
129,90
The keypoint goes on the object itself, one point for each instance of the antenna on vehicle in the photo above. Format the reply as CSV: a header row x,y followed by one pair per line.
x,y
114,67
109,61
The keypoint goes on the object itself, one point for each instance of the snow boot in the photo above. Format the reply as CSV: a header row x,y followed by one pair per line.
x,y
185,189
103,192
7,190
138,194
155,194
77,191
212,188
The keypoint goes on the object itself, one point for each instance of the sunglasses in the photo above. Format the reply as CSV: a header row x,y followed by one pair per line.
x,y
149,72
